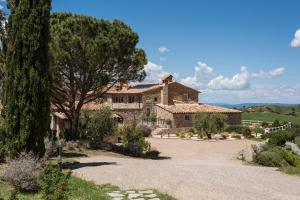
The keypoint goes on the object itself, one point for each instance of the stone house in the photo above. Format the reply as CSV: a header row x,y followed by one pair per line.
x,y
167,100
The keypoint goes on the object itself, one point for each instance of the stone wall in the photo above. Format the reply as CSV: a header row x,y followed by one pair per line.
x,y
183,120
163,115
234,118
129,115
177,91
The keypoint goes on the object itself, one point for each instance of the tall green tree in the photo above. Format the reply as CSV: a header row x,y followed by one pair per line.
x,y
88,57
27,83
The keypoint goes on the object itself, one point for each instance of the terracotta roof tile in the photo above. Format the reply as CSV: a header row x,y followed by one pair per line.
x,y
195,108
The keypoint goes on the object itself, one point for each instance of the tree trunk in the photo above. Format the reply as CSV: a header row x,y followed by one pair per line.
x,y
74,122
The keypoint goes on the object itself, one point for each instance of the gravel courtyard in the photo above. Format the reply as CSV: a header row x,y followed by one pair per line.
x,y
195,170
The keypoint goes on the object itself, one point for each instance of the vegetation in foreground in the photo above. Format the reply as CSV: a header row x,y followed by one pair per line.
x,y
275,153
77,189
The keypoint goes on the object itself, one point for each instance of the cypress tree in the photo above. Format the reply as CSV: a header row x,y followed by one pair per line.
x,y
27,85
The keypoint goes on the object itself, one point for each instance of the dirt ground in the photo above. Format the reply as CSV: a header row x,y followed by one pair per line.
x,y
193,170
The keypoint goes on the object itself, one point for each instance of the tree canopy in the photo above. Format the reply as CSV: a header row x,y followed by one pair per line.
x,y
88,56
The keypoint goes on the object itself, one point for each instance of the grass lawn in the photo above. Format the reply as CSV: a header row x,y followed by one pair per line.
x,y
78,189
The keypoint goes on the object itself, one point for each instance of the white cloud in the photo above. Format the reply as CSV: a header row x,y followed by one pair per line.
x,y
202,74
239,81
269,74
296,41
163,49
254,94
155,72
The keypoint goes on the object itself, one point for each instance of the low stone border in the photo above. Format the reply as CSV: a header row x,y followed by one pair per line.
x,y
133,195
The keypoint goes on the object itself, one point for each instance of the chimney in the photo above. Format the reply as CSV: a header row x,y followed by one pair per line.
x,y
165,91
165,94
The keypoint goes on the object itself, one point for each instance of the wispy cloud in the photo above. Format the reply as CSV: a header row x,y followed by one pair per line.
x,y
163,49
296,41
270,74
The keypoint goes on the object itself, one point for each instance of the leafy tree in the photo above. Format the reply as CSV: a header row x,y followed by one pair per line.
x,y
209,123
27,85
276,123
94,124
88,57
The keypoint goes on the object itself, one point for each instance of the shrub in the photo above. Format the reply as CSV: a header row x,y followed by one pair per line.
x,y
153,154
235,129
94,124
23,172
247,132
133,139
281,137
276,123
273,157
224,135
191,130
265,124
54,183
291,158
190,134
237,136
145,130
181,134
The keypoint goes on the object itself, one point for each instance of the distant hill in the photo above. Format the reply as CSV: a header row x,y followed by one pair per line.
x,y
241,105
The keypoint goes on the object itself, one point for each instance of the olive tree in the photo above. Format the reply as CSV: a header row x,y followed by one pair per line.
x,y
209,123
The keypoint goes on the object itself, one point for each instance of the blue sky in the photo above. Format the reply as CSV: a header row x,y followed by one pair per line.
x,y
234,51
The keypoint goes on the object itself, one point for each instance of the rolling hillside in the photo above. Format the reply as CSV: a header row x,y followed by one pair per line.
x,y
271,113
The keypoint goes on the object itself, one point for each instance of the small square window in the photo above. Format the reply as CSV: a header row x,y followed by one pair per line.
x,y
187,117
155,99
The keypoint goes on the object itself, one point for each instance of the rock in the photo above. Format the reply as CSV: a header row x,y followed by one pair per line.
x,y
139,199
294,148
146,192
132,196
118,198
150,195
115,194
248,153
155,199
130,192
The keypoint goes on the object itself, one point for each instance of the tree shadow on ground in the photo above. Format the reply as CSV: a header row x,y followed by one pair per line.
x,y
90,164
73,154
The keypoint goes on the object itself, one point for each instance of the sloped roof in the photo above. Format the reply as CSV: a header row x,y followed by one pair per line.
x,y
195,108
135,88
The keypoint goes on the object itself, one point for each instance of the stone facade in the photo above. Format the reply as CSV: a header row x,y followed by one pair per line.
x,y
167,101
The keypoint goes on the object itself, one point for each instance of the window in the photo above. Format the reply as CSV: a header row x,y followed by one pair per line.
x,y
118,99
185,97
132,99
155,99
187,117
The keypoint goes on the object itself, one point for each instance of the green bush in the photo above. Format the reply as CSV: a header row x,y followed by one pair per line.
x,y
54,183
273,157
291,158
94,124
247,132
234,128
190,134
145,130
281,137
181,134
153,154
133,139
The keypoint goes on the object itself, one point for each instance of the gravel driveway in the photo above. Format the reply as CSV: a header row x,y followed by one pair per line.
x,y
196,170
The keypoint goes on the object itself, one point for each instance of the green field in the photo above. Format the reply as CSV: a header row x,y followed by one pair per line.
x,y
272,113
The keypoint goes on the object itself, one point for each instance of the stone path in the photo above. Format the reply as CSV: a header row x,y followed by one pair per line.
x,y
133,195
